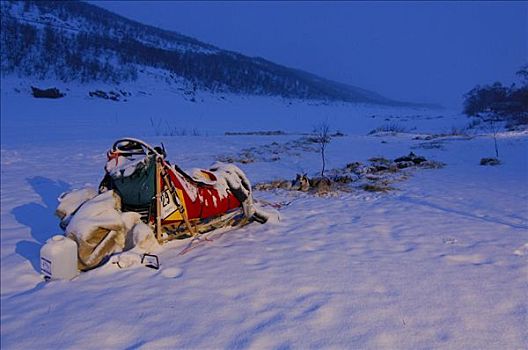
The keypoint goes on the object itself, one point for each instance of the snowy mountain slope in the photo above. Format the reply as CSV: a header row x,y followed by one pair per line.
x,y
76,41
439,263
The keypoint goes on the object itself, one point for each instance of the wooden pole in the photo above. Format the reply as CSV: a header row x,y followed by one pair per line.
x,y
188,223
158,201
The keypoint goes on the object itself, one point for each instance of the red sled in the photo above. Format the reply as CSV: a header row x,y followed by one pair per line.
x,y
176,203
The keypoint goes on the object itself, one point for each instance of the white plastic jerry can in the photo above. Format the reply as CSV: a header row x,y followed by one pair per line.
x,y
58,258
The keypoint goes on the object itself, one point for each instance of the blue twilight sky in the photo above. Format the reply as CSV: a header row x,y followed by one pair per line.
x,y
428,51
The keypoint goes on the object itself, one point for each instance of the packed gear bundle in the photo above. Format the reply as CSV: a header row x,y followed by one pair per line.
x,y
144,201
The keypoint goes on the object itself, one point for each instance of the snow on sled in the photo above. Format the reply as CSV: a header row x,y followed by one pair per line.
x,y
144,201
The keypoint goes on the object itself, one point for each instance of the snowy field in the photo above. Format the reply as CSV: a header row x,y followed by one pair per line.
x,y
441,262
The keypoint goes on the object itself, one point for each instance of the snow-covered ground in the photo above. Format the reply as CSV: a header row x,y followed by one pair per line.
x,y
442,262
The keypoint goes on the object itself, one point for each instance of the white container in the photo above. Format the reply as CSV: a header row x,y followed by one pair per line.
x,y
58,258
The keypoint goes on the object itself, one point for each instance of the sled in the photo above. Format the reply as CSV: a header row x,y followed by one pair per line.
x,y
177,204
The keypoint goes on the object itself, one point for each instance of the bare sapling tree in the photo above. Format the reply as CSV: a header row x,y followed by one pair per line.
x,y
493,122
494,129
322,138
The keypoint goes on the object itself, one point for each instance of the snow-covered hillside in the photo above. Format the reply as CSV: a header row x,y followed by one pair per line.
x,y
77,41
440,262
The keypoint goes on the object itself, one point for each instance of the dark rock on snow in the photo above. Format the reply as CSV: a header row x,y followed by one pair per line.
x,y
411,158
489,161
46,93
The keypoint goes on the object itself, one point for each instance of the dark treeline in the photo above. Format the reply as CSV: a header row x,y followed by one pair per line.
x,y
112,48
499,102
44,53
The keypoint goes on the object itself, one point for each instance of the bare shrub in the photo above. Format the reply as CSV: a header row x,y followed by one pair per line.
x,y
162,127
392,127
322,138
